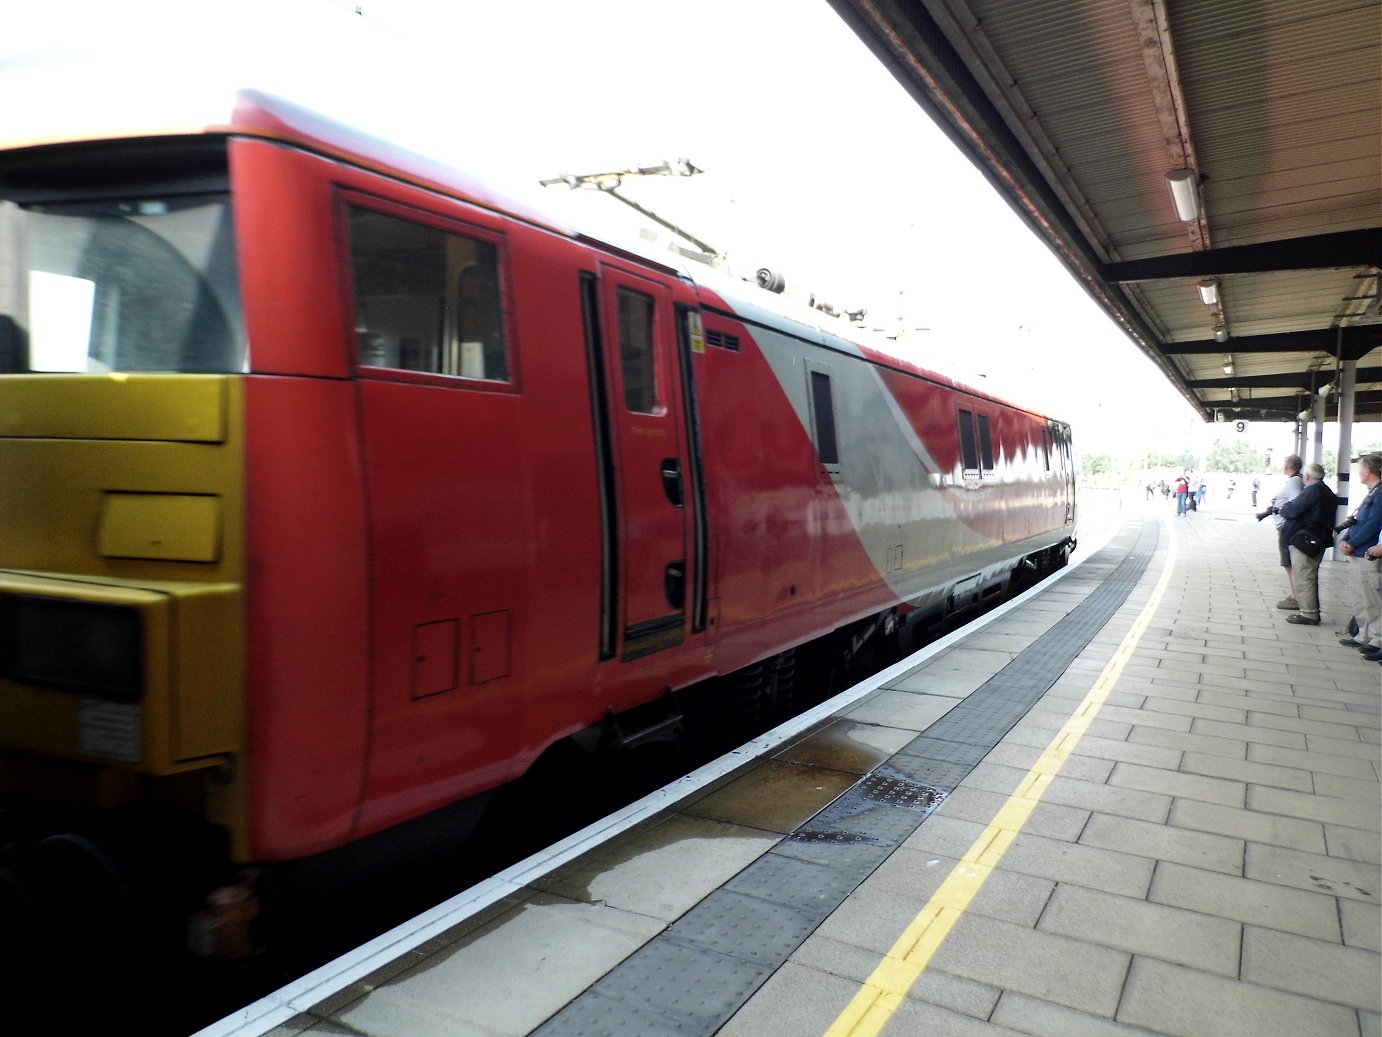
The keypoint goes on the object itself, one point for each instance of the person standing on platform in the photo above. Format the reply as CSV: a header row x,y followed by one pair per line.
x,y
1375,554
1358,541
1182,493
1312,512
1256,485
1292,486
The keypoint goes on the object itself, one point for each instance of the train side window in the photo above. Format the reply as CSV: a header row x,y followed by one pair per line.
x,y
823,415
985,443
968,451
426,299
636,351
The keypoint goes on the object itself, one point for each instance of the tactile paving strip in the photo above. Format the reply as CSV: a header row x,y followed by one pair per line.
x,y
691,978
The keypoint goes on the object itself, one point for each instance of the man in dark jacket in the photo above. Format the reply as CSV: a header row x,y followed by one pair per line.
x,y
1310,511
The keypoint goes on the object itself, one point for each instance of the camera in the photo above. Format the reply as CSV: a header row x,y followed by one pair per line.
x,y
1263,514
1345,524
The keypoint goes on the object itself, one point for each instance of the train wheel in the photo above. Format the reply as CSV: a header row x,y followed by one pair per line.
x,y
68,930
88,909
19,926
751,694
784,680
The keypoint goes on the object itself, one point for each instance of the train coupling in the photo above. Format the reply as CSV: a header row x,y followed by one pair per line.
x,y
223,929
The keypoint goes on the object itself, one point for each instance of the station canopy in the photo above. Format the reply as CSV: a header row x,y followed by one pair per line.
x,y
1209,170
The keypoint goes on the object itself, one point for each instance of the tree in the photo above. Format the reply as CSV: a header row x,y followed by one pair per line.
x,y
1235,457
1096,464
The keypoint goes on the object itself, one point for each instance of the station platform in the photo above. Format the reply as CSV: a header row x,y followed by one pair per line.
x,y
1133,801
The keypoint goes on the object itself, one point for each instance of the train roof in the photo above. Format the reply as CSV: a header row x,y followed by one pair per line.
x,y
259,114
756,305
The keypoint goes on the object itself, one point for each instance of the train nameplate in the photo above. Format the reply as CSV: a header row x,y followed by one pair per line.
x,y
109,730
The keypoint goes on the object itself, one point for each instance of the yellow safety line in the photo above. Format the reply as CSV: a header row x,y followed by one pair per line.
x,y
883,992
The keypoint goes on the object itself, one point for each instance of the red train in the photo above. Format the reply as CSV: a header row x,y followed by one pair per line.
x,y
335,489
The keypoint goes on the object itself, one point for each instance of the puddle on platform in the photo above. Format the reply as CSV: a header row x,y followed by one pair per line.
x,y
848,745
776,797
633,874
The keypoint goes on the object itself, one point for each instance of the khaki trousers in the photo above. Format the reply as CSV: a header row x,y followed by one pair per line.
x,y
1365,582
1307,572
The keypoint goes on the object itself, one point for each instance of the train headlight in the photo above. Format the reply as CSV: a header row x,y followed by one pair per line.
x,y
82,646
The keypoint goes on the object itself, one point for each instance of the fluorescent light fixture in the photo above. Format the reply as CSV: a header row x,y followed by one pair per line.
x,y
1184,193
1209,291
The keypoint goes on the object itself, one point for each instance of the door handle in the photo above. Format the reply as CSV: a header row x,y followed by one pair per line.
x,y
671,481
674,584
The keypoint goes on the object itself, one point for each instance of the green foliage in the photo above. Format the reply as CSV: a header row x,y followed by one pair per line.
x,y
1096,464
1234,456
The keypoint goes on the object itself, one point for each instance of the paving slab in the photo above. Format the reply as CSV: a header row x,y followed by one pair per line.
x,y
1183,1002
1137,926
1316,968
1249,826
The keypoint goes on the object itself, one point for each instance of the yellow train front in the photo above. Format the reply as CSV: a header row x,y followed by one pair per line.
x,y
122,557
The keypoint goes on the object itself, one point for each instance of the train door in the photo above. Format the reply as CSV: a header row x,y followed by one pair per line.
x,y
1064,462
447,494
644,404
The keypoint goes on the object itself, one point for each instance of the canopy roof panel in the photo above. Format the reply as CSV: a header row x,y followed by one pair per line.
x,y
1077,111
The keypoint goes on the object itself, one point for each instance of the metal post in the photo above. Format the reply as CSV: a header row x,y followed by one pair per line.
x,y
1347,382
1317,454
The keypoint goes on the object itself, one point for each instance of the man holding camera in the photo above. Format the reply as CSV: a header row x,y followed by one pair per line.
x,y
1292,486
1305,530
1359,541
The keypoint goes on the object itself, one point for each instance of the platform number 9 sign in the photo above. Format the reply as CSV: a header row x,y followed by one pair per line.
x,y
1240,426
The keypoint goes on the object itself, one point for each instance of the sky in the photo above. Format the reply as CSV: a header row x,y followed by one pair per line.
x,y
815,161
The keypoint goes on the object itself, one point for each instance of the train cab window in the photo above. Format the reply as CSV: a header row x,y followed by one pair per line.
x,y
985,443
426,299
636,351
969,452
127,284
